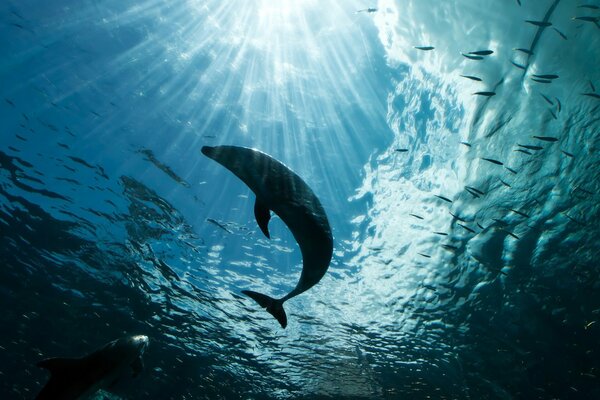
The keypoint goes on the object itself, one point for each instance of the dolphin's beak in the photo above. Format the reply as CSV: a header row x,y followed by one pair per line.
x,y
208,151
141,342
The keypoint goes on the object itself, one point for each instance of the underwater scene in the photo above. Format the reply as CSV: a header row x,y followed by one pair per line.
x,y
417,180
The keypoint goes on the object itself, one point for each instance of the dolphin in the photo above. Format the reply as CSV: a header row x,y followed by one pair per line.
x,y
279,189
79,378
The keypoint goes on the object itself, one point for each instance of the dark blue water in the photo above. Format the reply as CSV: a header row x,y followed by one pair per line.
x,y
112,221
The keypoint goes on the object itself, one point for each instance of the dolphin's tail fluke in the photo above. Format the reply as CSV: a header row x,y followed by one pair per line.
x,y
273,306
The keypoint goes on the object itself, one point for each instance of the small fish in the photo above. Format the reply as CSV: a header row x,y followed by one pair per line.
x,y
519,3
486,94
547,99
443,198
558,104
217,223
546,76
521,213
592,86
457,217
10,102
475,195
524,152
480,226
587,19
481,52
517,65
473,78
590,6
424,48
529,147
511,234
562,35
466,144
449,247
475,190
541,24
553,115
441,233
505,184
367,10
541,80
567,154
493,161
470,57
594,95
526,51
546,138
424,255
589,325
467,228
511,170
416,216
401,150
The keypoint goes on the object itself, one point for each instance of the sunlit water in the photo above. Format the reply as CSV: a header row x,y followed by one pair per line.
x,y
112,221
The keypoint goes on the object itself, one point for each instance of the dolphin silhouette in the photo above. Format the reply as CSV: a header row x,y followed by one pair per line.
x,y
78,378
279,189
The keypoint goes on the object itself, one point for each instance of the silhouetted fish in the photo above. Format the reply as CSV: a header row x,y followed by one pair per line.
x,y
541,80
441,233
470,57
475,190
521,213
517,65
367,10
424,48
467,228
529,147
473,78
560,33
457,217
587,19
492,161
558,104
449,247
424,255
401,150
481,52
511,170
567,154
541,24
416,216
524,151
545,76
547,99
594,95
505,184
590,6
526,51
466,144
443,198
487,94
546,138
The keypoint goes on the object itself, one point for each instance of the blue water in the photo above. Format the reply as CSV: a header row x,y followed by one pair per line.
x,y
108,208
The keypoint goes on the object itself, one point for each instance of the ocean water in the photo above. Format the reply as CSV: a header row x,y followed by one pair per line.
x,y
113,223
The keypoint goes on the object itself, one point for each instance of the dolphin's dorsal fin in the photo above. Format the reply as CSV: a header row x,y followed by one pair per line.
x,y
263,216
58,366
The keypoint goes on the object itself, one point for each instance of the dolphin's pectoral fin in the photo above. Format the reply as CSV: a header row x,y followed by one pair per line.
x,y
263,216
58,366
273,306
137,366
